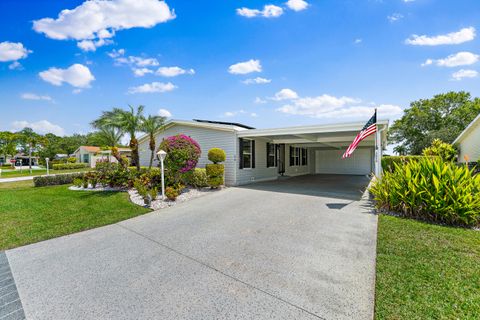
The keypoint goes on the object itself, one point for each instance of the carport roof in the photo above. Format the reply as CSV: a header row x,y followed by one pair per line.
x,y
339,134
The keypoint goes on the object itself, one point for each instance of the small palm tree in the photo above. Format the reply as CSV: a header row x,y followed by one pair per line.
x,y
129,121
151,125
401,150
111,138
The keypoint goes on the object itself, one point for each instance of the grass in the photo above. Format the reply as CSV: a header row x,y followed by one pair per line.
x,y
38,172
31,214
426,271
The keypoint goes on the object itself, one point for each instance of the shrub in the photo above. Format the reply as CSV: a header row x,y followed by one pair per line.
x,y
441,149
215,174
216,155
77,182
196,178
68,166
58,179
171,193
182,156
388,162
431,189
71,160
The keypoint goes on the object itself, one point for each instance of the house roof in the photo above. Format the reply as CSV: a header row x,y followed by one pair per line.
x,y
90,148
225,123
468,129
214,125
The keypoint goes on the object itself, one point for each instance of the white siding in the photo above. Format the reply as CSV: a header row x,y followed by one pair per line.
x,y
260,172
470,145
207,139
295,170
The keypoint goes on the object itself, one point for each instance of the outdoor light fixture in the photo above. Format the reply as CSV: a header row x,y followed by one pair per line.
x,y
161,156
46,160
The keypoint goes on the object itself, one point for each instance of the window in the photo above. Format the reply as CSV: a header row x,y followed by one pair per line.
x,y
247,153
86,158
304,156
298,156
272,155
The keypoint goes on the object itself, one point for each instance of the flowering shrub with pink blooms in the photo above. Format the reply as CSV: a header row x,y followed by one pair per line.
x,y
182,156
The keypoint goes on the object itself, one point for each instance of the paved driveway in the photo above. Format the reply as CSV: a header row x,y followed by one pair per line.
x,y
257,252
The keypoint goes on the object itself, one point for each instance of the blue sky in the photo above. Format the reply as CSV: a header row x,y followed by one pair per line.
x,y
317,61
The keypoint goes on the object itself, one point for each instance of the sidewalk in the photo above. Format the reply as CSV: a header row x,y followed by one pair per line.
x,y
17,179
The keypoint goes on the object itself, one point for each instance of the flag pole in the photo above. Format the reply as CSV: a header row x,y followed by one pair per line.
x,y
377,154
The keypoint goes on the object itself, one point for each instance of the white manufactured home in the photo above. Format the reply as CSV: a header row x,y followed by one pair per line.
x,y
469,142
266,154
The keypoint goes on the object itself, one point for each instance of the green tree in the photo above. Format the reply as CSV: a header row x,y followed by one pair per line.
x,y
127,121
401,150
443,117
8,143
151,125
32,141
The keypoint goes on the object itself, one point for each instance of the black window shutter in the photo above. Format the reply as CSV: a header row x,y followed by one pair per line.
x,y
253,153
268,153
306,157
292,159
240,153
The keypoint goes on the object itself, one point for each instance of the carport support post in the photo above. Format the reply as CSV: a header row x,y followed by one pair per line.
x,y
378,153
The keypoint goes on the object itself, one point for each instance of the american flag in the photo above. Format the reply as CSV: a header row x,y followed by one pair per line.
x,y
369,129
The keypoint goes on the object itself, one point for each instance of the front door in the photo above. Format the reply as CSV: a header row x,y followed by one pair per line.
x,y
281,159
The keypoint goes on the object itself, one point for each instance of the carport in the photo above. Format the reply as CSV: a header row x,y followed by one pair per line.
x,y
323,145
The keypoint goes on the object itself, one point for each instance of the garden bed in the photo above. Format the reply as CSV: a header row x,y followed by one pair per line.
x,y
186,195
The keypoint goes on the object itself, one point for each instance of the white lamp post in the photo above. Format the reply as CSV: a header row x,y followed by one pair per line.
x,y
161,156
46,160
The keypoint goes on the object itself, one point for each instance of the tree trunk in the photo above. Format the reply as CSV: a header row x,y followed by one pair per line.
x,y
152,149
134,148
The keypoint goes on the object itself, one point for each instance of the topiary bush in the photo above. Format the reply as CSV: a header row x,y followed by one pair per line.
x,y
182,156
215,171
216,155
431,189
68,166
58,179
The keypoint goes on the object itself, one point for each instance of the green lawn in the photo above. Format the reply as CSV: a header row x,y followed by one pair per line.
x,y
31,214
426,271
39,172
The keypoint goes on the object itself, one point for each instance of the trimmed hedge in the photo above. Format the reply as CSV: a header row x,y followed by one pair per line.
x,y
68,166
215,174
196,178
58,179
389,162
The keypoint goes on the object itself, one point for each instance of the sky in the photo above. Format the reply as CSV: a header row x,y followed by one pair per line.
x,y
262,63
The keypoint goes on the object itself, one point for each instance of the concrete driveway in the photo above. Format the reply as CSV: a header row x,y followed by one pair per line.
x,y
258,252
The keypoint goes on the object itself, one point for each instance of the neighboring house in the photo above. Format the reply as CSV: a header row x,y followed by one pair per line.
x,y
265,154
469,142
61,156
90,154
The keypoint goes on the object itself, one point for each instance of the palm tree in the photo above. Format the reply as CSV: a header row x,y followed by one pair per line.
x,y
32,140
129,121
111,137
401,150
151,125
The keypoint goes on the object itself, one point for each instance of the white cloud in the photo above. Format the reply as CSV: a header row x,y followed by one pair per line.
x,y
96,20
41,127
173,71
464,35
246,67
395,17
137,61
297,5
257,80
33,96
269,11
12,51
459,59
153,87
230,114
254,115
358,41
15,65
285,94
259,100
140,72
77,75
460,74
164,113
327,106
116,53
